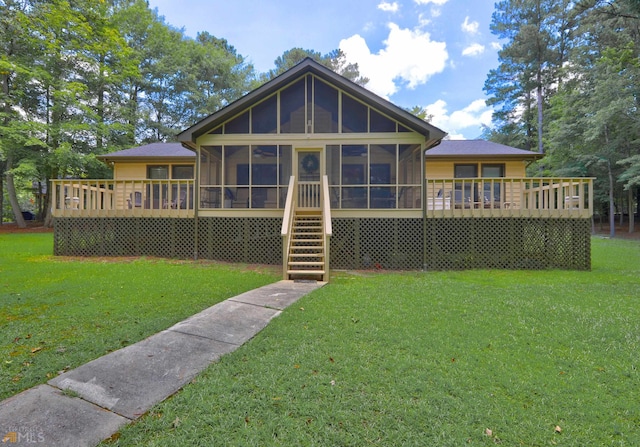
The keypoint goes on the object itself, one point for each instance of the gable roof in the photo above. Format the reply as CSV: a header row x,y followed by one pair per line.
x,y
308,65
478,149
149,151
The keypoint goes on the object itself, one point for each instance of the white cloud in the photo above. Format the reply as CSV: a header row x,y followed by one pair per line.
x,y
496,46
423,21
409,56
474,49
470,27
435,2
389,7
474,115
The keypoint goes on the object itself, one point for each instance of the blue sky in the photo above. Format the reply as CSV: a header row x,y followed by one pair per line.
x,y
429,53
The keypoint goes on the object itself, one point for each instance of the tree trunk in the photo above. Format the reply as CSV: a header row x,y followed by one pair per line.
x,y
540,116
47,220
631,216
11,192
612,208
1,192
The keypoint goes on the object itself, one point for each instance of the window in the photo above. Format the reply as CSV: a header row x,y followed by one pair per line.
x,y
292,108
354,115
465,192
309,105
491,190
239,124
492,171
465,171
374,176
158,172
182,172
325,108
264,116
380,123
253,176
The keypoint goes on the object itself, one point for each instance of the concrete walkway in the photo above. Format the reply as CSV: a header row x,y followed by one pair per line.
x,y
88,404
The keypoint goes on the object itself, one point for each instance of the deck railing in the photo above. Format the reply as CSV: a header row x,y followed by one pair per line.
x,y
119,198
308,195
474,197
509,197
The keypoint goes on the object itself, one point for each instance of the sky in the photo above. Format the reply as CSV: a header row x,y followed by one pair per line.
x,y
429,53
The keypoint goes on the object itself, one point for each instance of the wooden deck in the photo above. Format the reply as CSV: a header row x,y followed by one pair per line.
x,y
122,198
510,197
443,198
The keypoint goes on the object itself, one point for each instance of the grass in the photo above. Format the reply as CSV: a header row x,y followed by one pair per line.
x,y
57,313
447,358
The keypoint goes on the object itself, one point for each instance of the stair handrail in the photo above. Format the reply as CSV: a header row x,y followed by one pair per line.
x,y
287,222
325,203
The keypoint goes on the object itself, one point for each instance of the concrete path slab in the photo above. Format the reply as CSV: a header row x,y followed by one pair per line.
x,y
279,295
228,322
131,380
44,416
123,385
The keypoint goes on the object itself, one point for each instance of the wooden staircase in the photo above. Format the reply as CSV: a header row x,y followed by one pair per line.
x,y
307,251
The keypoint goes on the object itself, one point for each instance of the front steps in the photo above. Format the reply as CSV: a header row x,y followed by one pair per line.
x,y
307,251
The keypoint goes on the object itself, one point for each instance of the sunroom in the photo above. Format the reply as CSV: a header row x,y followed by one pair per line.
x,y
370,150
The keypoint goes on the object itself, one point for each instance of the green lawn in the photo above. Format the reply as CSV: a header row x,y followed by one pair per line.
x,y
56,314
446,358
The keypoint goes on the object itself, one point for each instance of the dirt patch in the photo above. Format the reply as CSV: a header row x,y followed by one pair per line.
x,y
32,227
622,231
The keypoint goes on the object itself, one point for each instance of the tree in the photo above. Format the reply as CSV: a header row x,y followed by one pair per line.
x,y
218,75
596,110
180,80
16,131
421,112
538,35
335,60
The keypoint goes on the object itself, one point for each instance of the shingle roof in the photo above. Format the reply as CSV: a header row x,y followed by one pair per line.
x,y
477,148
308,65
153,150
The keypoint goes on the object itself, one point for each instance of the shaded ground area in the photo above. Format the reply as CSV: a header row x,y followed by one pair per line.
x,y
32,227
622,231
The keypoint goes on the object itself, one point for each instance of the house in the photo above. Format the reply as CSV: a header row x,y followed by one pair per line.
x,y
314,172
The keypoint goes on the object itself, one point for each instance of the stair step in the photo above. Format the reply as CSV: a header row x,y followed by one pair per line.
x,y
306,240
306,255
305,272
306,263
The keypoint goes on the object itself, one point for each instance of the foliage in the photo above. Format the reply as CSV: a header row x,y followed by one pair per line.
x,y
421,112
84,78
579,62
443,358
537,34
335,60
56,313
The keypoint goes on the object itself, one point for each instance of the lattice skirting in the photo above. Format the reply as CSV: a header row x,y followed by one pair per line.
x,y
368,243
250,240
495,243
360,243
165,238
